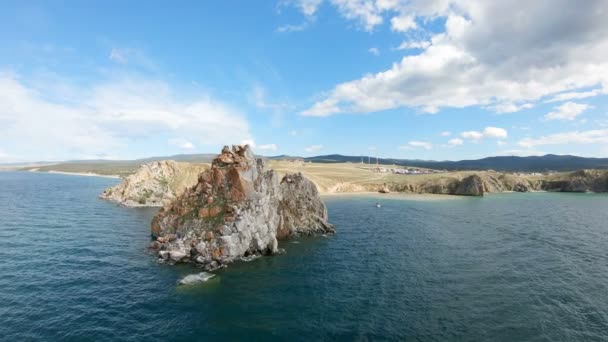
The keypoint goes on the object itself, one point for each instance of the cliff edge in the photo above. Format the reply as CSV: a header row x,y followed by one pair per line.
x,y
154,183
237,209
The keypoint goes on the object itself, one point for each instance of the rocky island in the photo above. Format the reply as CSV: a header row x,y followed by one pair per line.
x,y
237,209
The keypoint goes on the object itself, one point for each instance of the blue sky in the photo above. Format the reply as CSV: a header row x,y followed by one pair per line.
x,y
436,79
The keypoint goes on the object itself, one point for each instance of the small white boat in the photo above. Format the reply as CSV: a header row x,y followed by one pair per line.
x,y
378,205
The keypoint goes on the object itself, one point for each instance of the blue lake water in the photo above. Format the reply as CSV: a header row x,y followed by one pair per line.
x,y
508,267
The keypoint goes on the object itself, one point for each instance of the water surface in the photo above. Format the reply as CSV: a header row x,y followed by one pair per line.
x,y
509,267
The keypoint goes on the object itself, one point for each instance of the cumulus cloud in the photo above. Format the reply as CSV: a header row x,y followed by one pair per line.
x,y
504,56
445,134
313,148
417,144
308,7
455,142
567,111
267,147
292,28
488,132
575,95
510,107
374,51
365,12
408,44
495,132
181,143
100,119
473,135
598,136
403,23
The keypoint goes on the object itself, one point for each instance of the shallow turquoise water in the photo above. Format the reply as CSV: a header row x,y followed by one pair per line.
x,y
512,267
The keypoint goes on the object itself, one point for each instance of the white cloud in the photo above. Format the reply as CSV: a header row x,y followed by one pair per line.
x,y
374,51
567,111
134,57
292,28
488,132
501,143
313,148
510,107
473,135
293,133
417,144
118,56
495,132
308,7
372,148
575,95
101,119
446,134
366,12
407,45
598,136
455,142
181,143
503,54
403,23
268,147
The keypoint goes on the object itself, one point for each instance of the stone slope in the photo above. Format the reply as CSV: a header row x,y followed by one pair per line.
x,y
237,209
154,183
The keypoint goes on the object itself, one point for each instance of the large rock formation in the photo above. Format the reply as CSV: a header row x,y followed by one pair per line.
x,y
237,209
154,183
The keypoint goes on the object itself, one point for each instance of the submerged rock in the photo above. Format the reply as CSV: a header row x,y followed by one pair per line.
x,y
196,278
238,208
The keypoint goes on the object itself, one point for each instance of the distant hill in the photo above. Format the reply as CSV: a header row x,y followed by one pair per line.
x,y
549,162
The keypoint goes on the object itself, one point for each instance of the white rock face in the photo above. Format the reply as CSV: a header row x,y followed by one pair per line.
x,y
239,209
154,184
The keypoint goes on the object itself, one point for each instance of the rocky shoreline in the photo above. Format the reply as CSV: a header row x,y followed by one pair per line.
x,y
492,182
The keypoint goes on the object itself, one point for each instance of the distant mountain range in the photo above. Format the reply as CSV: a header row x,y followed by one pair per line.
x,y
549,162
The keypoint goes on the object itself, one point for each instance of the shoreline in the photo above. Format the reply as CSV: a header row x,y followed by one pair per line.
x,y
395,196
84,174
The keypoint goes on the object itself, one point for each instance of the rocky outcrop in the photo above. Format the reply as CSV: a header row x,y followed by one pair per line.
x,y
384,189
470,186
237,209
154,183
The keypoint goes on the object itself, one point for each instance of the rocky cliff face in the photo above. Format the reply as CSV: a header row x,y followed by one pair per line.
x,y
154,183
578,181
237,209
478,184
